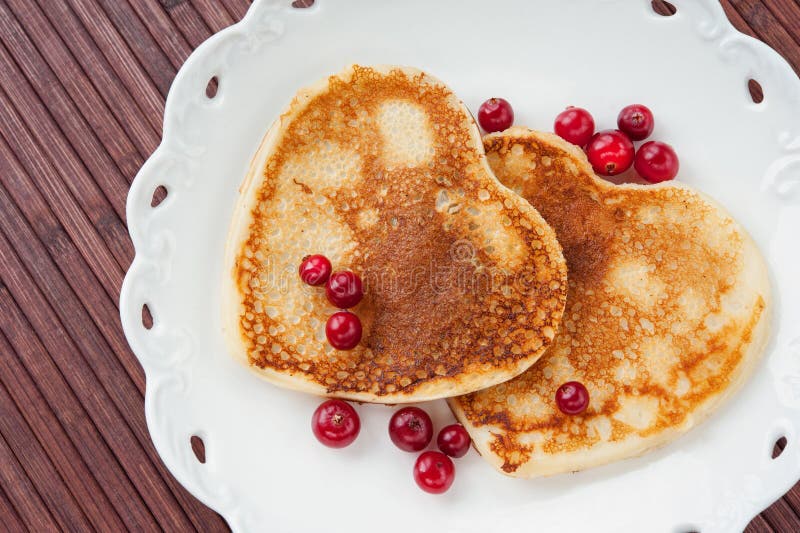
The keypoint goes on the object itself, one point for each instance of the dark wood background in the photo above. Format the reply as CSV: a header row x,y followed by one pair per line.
x,y
81,103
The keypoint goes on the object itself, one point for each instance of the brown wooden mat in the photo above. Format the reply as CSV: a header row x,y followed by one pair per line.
x,y
81,103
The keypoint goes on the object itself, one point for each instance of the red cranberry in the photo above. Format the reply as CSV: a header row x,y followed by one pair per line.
x,y
453,440
434,472
574,125
636,121
495,114
315,269
656,162
335,423
610,152
411,429
572,398
344,289
343,330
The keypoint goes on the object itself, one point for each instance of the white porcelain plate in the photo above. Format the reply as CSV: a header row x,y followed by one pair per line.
x,y
264,471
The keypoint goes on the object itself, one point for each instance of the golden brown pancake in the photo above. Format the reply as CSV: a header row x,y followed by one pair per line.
x,y
666,315
382,170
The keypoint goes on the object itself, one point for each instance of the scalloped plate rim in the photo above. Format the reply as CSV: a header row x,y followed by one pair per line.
x,y
129,308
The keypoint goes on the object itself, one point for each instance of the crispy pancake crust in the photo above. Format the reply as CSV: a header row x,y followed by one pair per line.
x,y
382,170
666,315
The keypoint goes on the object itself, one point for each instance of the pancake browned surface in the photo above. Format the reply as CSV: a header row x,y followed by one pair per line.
x,y
666,315
382,170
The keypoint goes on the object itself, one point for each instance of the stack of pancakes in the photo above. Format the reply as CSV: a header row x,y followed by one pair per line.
x,y
495,271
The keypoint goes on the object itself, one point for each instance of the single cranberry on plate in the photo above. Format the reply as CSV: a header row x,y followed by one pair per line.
x,y
344,289
315,269
636,121
411,429
343,330
656,162
453,440
434,472
335,423
610,152
574,125
495,114
572,398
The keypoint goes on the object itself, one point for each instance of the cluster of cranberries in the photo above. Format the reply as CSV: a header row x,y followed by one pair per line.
x,y
411,430
343,290
336,424
610,152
